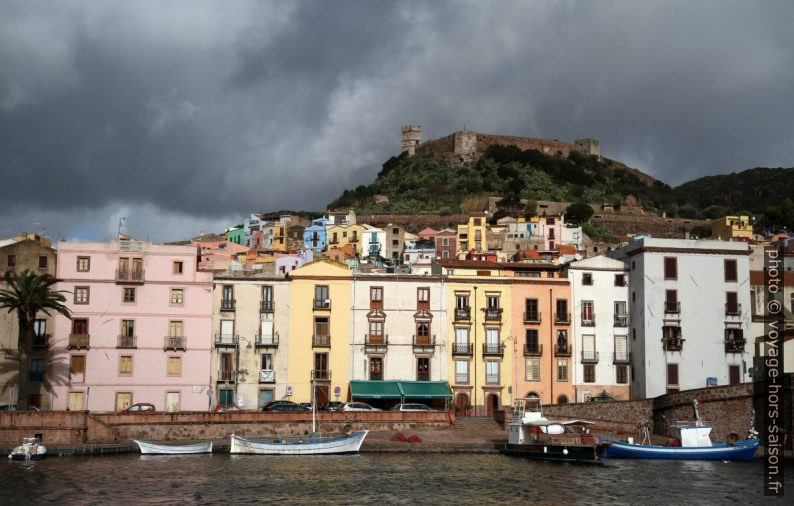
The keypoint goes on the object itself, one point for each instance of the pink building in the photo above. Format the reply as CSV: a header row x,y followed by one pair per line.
x,y
216,255
550,228
140,329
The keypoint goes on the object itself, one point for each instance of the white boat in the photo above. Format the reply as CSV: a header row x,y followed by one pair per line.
x,y
348,443
311,445
148,448
30,449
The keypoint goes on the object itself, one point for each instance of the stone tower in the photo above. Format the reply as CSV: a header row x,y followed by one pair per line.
x,y
412,137
589,146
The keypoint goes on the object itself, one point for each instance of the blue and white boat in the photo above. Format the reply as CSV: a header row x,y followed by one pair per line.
x,y
695,445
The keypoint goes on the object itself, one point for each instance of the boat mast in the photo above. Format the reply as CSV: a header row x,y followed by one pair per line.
x,y
697,415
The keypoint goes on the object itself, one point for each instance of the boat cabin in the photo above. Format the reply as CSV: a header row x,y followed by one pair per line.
x,y
693,436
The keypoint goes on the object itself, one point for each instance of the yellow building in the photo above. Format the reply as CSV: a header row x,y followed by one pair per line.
x,y
481,344
471,236
341,235
732,227
320,302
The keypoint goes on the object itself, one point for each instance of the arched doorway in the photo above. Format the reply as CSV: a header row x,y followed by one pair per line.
x,y
461,402
563,399
491,404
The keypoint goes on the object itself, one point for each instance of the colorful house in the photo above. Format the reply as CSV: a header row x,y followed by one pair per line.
x,y
471,236
373,242
732,227
341,235
315,236
446,243
235,234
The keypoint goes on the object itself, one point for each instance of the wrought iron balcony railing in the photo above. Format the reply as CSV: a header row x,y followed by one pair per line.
x,y
175,343
562,318
622,357
532,317
533,350
562,350
462,313
126,342
321,340
589,357
466,349
77,341
492,349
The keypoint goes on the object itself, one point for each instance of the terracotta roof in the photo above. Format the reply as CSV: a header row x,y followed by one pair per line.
x,y
481,264
566,249
757,278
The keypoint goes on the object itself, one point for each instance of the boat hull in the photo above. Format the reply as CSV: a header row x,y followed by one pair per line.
x,y
148,448
594,454
350,443
23,453
742,450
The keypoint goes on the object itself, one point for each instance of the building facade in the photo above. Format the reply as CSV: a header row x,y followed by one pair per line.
x,y
140,327
446,243
471,236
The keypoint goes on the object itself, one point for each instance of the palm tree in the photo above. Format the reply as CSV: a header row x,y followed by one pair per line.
x,y
27,294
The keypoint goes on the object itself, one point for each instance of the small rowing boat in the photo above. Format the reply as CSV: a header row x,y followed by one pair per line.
x,y
148,448
348,443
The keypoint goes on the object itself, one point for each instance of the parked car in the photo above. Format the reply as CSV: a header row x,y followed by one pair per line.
x,y
10,406
220,408
334,406
283,406
411,407
358,406
139,407
307,405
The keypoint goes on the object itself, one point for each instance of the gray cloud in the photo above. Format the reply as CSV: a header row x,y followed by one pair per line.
x,y
186,115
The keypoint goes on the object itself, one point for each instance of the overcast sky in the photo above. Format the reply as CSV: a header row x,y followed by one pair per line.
x,y
183,116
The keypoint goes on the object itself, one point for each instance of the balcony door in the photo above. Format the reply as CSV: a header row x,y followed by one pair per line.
x,y
76,401
137,265
123,400
321,364
227,367
266,332
422,332
621,347
227,331
587,311
588,347
80,326
124,266
172,402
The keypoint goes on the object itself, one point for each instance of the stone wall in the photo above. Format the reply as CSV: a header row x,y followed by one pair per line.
x,y
80,427
413,223
614,416
656,226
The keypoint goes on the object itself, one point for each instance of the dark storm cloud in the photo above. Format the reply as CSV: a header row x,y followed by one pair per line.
x,y
183,116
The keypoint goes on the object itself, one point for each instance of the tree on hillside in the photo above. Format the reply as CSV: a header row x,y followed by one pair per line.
x,y
27,293
578,212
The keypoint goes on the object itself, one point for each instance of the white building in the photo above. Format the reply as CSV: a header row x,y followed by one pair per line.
x,y
600,294
572,234
399,328
689,314
373,242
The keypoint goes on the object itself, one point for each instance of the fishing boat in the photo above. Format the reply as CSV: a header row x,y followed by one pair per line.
x,y
531,435
30,449
312,445
695,442
148,448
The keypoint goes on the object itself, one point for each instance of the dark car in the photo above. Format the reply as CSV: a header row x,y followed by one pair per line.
x,y
221,408
334,406
306,405
283,406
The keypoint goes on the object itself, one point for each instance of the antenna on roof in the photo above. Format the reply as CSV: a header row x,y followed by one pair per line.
x,y
122,222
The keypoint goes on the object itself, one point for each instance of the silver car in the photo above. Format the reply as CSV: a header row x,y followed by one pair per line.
x,y
412,407
358,406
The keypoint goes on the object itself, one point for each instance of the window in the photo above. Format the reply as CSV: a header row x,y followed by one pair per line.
x,y
588,314
734,374
423,369
129,294
321,296
533,346
462,301
670,268
672,378
621,374
621,316
532,369
175,328
589,373
532,313
671,301
178,267
492,301
461,372
376,297
731,303
562,369
267,362
127,328
562,311
492,373
587,279
267,295
376,329
83,264
423,332
227,297
321,326
174,366
376,368
12,260
445,254
36,370
125,365
423,298
731,274
445,241
42,262
620,280
81,295
80,326
177,295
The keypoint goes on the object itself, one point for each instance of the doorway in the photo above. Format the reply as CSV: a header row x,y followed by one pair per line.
x,y
461,402
76,401
172,402
491,404
123,400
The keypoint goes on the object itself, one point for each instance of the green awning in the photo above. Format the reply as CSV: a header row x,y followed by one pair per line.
x,y
399,389
375,389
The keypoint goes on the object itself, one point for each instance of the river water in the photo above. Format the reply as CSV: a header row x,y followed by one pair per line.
x,y
374,478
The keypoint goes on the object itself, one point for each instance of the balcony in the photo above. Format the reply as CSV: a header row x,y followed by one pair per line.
x,y
228,305
461,379
533,350
175,343
493,314
672,343
266,306
622,357
322,304
77,341
424,344
492,349
562,350
734,345
321,375
588,321
562,318
589,357
227,376
266,341
462,313
354,239
226,341
672,307
733,309
376,343
267,376
532,317
321,341
126,276
127,342
41,341
621,320
491,379
462,349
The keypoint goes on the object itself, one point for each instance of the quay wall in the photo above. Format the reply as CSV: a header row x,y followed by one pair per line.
x,y
81,427
614,416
